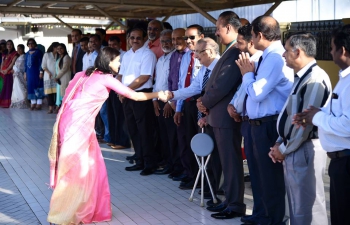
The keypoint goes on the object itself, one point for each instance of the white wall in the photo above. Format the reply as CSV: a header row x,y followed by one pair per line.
x,y
44,37
312,10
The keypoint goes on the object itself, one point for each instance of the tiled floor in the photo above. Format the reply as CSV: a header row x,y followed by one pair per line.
x,y
24,171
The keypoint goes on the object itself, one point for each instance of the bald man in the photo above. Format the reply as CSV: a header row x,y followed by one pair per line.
x,y
155,27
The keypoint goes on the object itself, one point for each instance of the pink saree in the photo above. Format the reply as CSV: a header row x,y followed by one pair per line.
x,y
77,170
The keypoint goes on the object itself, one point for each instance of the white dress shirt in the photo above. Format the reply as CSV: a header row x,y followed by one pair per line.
x,y
238,98
195,87
86,61
185,62
268,91
162,73
334,120
140,62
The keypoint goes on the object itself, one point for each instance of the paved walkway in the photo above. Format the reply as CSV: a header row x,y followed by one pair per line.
x,y
24,171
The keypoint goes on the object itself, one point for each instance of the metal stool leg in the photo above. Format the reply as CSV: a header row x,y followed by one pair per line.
x,y
202,171
197,178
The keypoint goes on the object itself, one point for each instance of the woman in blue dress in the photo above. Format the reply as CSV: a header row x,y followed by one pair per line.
x,y
35,84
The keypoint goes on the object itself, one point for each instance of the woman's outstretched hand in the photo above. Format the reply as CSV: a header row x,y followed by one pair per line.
x,y
164,95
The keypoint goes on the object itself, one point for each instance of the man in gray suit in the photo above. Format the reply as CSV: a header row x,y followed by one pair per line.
x,y
221,86
304,159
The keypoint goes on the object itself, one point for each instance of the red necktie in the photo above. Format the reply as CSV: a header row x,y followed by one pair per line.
x,y
189,71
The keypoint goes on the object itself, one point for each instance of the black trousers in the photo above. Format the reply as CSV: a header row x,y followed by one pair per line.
x,y
339,173
181,141
214,169
191,124
116,120
228,141
139,117
258,208
269,175
51,99
168,140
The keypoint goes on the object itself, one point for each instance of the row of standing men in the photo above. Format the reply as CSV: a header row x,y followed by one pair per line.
x,y
204,93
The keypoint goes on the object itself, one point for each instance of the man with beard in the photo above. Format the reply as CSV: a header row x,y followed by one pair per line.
x,y
136,72
153,30
236,108
164,111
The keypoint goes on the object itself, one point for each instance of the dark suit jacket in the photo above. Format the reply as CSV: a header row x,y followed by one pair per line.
x,y
79,61
222,85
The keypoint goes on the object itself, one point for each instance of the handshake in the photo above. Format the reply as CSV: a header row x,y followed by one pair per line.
x,y
165,95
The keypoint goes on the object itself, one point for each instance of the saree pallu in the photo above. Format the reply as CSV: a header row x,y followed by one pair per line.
x,y
77,170
19,92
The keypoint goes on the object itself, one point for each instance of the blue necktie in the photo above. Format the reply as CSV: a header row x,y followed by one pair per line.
x,y
205,80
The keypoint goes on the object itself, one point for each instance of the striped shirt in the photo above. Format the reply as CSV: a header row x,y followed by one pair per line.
x,y
311,87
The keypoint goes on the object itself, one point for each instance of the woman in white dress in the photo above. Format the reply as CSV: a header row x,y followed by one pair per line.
x,y
63,72
49,68
19,91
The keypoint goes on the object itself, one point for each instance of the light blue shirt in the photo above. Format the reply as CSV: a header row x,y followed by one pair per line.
x,y
185,62
268,91
196,85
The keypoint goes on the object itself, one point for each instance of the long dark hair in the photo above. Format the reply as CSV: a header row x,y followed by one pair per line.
x,y
60,64
13,47
52,46
106,55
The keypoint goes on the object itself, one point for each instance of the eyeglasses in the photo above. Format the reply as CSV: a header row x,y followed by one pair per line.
x,y
192,37
199,52
165,41
137,38
151,28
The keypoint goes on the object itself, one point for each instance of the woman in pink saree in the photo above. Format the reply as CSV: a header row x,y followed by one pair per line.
x,y
77,170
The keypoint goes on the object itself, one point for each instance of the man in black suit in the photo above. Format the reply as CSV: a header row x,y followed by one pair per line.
x,y
77,53
221,86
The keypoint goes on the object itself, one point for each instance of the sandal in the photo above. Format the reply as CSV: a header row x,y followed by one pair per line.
x,y
32,107
38,107
50,111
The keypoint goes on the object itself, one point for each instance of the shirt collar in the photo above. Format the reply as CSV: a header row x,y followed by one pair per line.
x,y
256,56
155,43
301,72
212,64
273,45
344,73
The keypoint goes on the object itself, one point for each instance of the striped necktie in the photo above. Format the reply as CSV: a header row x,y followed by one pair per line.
x,y
205,80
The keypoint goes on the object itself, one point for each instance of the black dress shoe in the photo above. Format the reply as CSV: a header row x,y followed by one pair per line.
x,y
227,214
189,185
217,207
185,180
147,171
211,202
166,170
131,157
134,168
174,174
179,178
248,220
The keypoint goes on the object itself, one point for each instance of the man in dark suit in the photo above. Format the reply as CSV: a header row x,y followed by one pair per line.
x,y
221,86
77,53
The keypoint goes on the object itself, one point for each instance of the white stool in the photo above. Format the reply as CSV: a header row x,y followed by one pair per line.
x,y
202,145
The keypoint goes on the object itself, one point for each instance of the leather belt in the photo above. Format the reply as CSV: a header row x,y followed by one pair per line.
x,y
339,154
244,118
259,121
